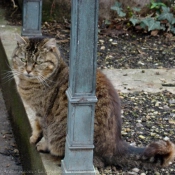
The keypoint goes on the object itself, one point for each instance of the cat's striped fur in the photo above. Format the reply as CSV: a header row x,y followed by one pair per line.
x,y
42,81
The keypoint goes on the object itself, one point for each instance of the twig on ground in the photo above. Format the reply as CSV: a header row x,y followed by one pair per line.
x,y
168,84
14,5
52,7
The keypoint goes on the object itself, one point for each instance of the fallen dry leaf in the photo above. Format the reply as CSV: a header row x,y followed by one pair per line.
x,y
154,33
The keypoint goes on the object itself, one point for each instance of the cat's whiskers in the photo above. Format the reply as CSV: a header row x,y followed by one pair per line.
x,y
40,80
43,81
44,78
8,76
6,73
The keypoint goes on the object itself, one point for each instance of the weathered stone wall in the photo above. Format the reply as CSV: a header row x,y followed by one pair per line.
x,y
62,8
134,3
105,6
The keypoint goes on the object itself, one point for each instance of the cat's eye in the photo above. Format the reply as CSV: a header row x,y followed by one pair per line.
x,y
23,59
39,62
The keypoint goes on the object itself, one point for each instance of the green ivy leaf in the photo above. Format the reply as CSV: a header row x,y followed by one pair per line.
x,y
107,22
162,27
157,5
167,16
121,14
161,4
136,9
134,21
172,29
165,9
142,25
151,24
153,5
154,25
118,4
146,21
118,9
173,21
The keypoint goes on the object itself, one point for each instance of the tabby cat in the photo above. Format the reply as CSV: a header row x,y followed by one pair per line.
x,y
42,80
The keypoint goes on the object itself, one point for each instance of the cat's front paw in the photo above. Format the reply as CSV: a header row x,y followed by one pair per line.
x,y
42,147
33,139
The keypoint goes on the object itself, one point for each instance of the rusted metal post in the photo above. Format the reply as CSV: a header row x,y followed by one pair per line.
x,y
81,92
32,13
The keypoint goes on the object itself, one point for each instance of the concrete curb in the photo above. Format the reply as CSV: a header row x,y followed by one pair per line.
x,y
149,80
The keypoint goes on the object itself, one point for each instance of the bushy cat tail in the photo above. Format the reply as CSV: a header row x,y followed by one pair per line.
x,y
157,154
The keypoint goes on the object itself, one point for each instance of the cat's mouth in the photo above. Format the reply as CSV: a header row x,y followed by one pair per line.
x,y
28,75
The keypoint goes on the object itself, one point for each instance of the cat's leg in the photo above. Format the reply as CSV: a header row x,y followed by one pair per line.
x,y
57,139
56,149
35,123
36,132
42,145
98,162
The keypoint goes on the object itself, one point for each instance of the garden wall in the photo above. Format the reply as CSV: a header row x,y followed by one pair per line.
x,y
59,9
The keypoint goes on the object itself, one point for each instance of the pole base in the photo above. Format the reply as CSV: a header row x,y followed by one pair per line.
x,y
65,171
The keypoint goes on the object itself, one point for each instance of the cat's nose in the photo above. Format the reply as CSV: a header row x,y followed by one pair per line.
x,y
28,71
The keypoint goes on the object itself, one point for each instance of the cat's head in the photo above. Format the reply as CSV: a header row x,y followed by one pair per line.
x,y
35,58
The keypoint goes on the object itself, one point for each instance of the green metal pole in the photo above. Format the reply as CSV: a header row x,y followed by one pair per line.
x,y
32,14
81,92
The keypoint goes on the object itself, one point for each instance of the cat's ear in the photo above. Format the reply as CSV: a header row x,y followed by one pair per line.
x,y
20,40
51,44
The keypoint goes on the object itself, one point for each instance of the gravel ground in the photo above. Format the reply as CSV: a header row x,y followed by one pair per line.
x,y
148,117
122,51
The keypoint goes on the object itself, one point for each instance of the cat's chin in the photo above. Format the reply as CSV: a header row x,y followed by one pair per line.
x,y
29,77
